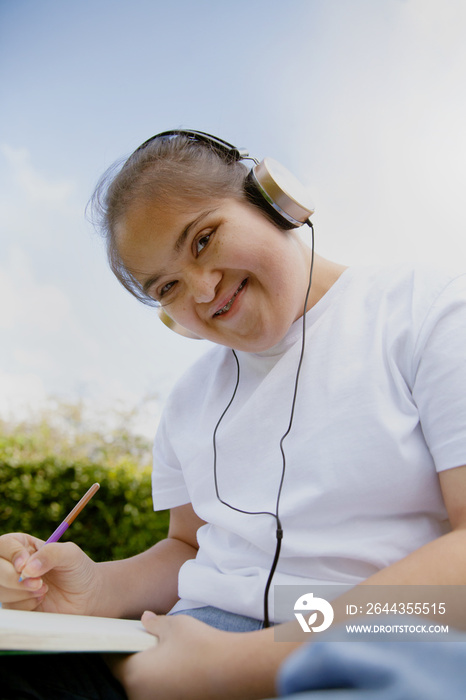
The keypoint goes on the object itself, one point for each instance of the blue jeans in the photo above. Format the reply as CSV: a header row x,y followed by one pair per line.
x,y
223,620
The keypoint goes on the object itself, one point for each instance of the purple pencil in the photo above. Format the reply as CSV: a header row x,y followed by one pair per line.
x,y
63,527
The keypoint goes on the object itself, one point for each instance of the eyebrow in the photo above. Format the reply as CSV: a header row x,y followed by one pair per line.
x,y
179,243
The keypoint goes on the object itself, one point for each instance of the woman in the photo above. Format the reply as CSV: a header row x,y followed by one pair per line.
x,y
322,440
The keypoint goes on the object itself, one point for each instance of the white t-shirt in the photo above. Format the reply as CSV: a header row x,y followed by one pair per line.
x,y
381,407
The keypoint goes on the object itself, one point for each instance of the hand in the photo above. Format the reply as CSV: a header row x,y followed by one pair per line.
x,y
58,577
193,661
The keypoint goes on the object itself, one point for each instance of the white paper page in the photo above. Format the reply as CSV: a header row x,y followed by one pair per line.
x,y
35,630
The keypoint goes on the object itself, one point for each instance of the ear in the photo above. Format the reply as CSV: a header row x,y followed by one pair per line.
x,y
176,327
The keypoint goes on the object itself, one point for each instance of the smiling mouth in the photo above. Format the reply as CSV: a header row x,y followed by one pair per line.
x,y
228,306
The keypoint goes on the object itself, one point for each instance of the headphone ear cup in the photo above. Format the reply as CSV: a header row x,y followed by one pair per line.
x,y
176,327
255,196
270,186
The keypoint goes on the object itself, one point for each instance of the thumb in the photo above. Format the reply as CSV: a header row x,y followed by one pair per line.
x,y
57,555
152,622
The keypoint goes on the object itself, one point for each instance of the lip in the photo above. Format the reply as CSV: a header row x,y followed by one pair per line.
x,y
227,303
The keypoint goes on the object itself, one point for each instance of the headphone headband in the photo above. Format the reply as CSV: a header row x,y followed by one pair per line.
x,y
269,185
223,148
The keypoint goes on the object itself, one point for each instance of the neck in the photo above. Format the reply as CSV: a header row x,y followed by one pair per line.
x,y
324,276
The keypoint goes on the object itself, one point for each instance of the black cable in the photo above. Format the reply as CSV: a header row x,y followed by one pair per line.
x,y
279,530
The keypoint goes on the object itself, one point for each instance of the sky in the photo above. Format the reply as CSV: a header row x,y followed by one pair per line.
x,y
364,101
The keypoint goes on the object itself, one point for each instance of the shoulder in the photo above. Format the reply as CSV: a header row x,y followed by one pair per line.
x,y
400,304
401,277
414,288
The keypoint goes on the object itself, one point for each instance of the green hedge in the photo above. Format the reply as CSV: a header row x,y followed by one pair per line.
x,y
118,522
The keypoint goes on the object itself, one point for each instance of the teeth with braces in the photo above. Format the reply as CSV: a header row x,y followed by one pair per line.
x,y
227,307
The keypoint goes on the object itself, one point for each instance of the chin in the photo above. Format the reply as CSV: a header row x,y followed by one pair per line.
x,y
255,339
259,344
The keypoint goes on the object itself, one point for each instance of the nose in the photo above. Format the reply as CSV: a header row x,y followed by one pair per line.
x,y
202,284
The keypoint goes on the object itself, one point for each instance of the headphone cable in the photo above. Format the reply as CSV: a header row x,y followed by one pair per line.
x,y
279,530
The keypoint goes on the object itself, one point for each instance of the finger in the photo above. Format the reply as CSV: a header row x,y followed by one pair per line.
x,y
17,548
148,618
153,623
61,555
22,596
10,579
33,603
163,626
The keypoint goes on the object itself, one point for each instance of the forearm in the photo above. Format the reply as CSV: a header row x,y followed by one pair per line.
x,y
440,562
147,581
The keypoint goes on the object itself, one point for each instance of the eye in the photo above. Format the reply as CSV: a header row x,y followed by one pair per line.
x,y
202,242
165,290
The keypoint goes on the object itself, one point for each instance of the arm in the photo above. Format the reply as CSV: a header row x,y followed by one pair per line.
x,y
194,660
149,580
61,578
442,561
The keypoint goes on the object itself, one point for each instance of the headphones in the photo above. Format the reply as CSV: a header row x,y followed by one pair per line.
x,y
268,185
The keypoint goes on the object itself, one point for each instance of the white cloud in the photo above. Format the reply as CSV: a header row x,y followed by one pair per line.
x,y
439,22
43,338
26,302
35,185
19,393
35,209
62,313
388,146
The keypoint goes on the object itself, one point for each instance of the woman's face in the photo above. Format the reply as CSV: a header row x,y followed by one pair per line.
x,y
220,269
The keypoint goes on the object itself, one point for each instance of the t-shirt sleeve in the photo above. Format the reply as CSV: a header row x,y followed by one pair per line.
x,y
168,485
440,376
